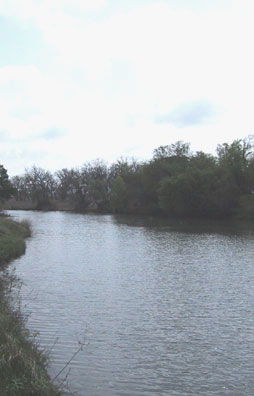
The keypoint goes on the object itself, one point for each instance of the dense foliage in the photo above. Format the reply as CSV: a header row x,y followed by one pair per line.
x,y
174,182
6,188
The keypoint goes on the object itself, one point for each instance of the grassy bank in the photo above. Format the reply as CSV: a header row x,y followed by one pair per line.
x,y
12,239
23,368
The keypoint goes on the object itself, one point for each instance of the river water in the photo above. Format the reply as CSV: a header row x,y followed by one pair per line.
x,y
161,308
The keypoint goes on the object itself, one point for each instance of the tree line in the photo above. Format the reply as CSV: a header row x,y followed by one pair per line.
x,y
174,182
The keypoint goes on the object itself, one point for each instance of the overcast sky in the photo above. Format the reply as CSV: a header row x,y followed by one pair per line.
x,y
87,79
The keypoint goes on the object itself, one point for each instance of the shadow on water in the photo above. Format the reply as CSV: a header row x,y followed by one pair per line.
x,y
192,226
165,306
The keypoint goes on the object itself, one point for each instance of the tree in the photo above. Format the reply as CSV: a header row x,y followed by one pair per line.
x,y
178,149
203,188
69,185
126,184
41,186
94,176
21,189
234,161
6,188
119,195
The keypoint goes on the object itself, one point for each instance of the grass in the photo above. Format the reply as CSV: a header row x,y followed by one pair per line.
x,y
23,368
12,239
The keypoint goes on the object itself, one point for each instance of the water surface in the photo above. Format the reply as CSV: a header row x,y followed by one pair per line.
x,y
163,309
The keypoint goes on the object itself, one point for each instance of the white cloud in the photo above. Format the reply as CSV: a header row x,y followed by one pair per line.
x,y
112,77
39,9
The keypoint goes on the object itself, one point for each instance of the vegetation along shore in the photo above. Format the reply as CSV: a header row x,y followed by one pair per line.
x,y
175,182
23,368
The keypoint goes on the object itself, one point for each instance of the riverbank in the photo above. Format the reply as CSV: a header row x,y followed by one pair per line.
x,y
23,368
53,205
243,212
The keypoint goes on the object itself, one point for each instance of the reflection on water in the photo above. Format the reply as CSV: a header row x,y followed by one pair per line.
x,y
164,309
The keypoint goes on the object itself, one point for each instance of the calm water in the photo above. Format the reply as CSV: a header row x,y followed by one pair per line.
x,y
162,309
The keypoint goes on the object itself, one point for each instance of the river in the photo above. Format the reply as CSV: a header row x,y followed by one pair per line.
x,y
160,308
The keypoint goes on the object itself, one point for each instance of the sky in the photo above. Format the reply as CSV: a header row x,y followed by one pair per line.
x,y
88,79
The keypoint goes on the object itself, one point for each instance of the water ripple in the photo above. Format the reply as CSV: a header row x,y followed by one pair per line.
x,y
161,310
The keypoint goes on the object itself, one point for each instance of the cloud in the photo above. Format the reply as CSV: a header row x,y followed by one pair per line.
x,y
52,134
112,71
3,136
42,9
189,114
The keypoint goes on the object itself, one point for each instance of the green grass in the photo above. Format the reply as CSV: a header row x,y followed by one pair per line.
x,y
12,239
23,368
